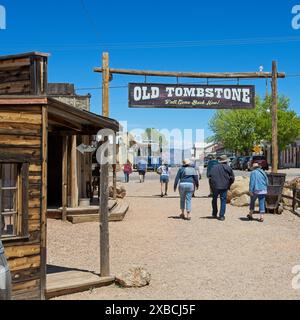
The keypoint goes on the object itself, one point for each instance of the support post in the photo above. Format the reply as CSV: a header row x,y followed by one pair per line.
x,y
274,118
104,227
65,178
74,177
44,202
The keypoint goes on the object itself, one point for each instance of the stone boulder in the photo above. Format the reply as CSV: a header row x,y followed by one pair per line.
x,y
136,277
288,193
239,188
295,183
121,192
242,201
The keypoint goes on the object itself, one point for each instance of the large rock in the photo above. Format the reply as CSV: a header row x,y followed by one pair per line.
x,y
134,278
121,192
242,201
239,188
295,183
288,193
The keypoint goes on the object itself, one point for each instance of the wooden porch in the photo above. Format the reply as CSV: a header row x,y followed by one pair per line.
x,y
117,212
63,281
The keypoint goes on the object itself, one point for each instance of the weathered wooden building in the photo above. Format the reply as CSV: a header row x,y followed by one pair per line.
x,y
38,135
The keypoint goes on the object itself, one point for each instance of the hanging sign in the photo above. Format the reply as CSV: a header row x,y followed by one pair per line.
x,y
146,95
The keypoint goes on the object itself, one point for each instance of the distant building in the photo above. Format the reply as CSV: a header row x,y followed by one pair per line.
x,y
290,157
65,92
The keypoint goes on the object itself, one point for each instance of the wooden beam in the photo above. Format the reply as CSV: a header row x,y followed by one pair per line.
x,y
12,100
104,219
74,178
105,81
274,118
105,107
199,75
104,227
65,178
115,170
44,201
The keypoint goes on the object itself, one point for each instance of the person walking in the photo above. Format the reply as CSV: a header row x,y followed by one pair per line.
x,y
188,180
142,169
127,169
222,177
211,163
197,168
164,172
258,188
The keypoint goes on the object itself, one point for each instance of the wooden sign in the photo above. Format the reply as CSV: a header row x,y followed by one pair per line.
x,y
146,95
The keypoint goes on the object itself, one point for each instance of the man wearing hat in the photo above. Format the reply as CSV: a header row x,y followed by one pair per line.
x,y
221,177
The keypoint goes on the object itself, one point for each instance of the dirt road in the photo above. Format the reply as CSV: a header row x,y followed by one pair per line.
x,y
198,259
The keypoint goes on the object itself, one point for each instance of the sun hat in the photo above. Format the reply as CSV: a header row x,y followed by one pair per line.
x,y
223,159
186,162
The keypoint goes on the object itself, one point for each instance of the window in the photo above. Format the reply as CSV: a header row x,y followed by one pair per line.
x,y
13,199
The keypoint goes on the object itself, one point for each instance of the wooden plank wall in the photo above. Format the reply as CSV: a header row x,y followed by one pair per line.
x,y
23,76
15,76
21,140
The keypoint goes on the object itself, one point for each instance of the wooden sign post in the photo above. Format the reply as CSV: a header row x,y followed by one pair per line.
x,y
103,201
274,118
274,75
106,72
105,109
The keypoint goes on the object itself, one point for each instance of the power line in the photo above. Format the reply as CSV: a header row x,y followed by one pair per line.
x,y
159,45
100,88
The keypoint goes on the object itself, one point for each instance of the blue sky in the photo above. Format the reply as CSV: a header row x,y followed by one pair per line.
x,y
152,35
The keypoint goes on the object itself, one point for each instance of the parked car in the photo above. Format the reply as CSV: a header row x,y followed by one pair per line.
x,y
230,160
261,160
235,164
244,163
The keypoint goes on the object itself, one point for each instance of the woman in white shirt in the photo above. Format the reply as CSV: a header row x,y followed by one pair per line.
x,y
164,172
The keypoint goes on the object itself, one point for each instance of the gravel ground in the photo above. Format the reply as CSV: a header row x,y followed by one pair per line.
x,y
198,259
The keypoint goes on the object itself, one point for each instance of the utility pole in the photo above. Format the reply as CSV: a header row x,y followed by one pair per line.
x,y
105,85
105,109
274,118
103,207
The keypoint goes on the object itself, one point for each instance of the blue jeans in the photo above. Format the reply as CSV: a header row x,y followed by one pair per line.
x,y
223,196
262,202
186,191
126,177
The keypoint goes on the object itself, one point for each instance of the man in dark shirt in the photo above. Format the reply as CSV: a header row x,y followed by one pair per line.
x,y
221,177
212,162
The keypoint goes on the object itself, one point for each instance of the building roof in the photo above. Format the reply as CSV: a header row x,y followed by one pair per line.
x,y
23,55
63,118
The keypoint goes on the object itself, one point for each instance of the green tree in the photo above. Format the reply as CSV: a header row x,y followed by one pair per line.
x,y
240,130
155,136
